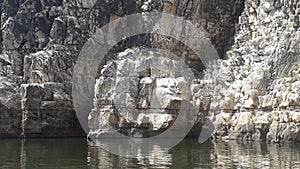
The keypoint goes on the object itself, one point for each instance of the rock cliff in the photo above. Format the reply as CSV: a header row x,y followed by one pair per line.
x,y
261,75
40,42
255,91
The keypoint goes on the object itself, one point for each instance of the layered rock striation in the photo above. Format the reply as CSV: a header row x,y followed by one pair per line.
x,y
261,75
138,95
40,41
254,93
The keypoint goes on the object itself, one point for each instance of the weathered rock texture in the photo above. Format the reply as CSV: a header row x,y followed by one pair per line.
x,y
256,87
41,39
48,111
11,114
261,75
141,94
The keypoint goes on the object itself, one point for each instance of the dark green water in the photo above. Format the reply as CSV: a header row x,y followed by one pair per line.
x,y
73,153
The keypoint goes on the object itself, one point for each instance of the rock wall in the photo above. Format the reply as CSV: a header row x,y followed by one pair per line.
x,y
11,115
261,75
47,111
255,91
142,93
41,39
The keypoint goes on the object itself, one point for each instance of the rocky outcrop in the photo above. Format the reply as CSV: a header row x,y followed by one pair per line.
x,y
254,94
40,41
48,111
218,18
141,94
11,114
261,75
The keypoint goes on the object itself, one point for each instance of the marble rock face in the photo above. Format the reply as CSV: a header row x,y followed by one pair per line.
x,y
40,42
253,94
262,75
141,95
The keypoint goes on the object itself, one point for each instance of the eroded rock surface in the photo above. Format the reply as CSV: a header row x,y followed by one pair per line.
x,y
47,111
254,92
11,114
40,41
141,94
261,75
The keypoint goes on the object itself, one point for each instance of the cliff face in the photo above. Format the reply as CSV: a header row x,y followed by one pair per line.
x,y
261,75
40,42
41,39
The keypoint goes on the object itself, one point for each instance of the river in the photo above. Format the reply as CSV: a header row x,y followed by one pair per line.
x,y
75,154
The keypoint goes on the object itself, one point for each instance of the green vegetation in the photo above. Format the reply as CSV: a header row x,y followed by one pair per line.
x,y
294,68
248,68
292,73
290,88
294,79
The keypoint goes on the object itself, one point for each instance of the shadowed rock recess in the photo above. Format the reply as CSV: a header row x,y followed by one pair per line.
x,y
254,95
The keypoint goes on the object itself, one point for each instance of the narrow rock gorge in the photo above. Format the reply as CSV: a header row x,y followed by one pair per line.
x,y
253,95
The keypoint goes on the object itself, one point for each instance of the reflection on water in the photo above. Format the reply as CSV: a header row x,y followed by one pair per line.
x,y
190,154
100,158
73,153
43,153
257,155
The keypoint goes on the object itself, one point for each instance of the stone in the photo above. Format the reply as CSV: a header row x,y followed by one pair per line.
x,y
4,59
160,121
228,103
142,106
295,117
10,108
267,5
263,76
40,42
124,124
264,118
280,132
46,107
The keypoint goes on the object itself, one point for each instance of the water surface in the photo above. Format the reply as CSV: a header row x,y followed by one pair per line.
x,y
73,154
